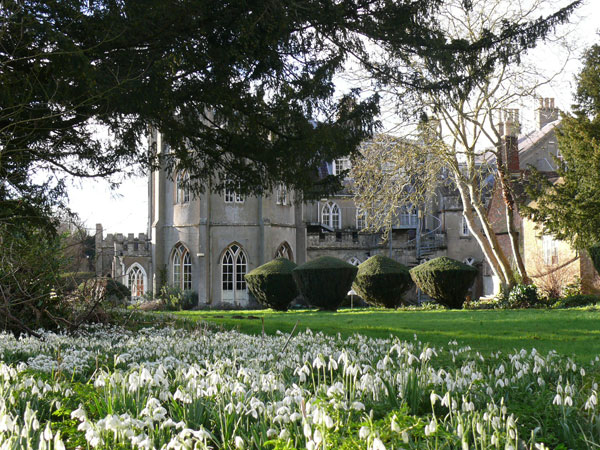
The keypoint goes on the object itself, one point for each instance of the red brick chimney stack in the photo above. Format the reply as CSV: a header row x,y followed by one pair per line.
x,y
511,140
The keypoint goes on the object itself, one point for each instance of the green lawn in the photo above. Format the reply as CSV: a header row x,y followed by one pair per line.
x,y
570,332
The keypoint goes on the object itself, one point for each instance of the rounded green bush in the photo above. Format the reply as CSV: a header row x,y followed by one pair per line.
x,y
445,280
524,296
575,301
381,281
272,284
325,281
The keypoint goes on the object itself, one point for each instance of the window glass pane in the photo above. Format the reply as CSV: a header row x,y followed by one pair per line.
x,y
227,268
187,272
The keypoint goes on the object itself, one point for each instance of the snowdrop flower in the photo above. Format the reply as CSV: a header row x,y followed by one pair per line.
x,y
377,444
557,400
79,414
364,433
239,442
431,427
307,431
405,437
394,425
47,434
358,406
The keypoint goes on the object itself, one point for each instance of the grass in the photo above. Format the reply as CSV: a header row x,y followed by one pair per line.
x,y
573,332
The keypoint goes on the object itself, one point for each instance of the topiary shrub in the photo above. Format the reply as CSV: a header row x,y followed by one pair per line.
x,y
445,280
272,284
524,296
324,282
381,281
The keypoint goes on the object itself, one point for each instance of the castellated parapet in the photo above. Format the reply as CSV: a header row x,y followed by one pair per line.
x,y
116,253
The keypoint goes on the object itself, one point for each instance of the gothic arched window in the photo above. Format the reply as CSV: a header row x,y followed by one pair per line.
x,y
234,265
181,263
284,251
331,216
136,280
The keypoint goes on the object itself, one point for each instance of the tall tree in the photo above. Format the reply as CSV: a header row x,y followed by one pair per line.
x,y
459,140
242,87
570,208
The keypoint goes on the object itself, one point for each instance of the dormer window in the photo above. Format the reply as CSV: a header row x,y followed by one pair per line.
x,y
282,195
231,196
340,165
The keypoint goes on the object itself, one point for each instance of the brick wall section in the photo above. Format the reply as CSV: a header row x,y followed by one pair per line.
x,y
497,218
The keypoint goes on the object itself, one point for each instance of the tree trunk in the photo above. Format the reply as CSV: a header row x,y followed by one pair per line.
x,y
487,240
509,206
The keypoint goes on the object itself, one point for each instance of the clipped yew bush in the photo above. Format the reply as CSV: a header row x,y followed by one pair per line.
x,y
381,281
445,280
272,284
325,281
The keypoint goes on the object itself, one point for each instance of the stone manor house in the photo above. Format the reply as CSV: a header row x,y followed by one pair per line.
x,y
207,243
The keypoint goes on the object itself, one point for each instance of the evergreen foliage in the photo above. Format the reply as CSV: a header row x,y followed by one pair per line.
x,y
576,301
272,284
381,281
570,207
325,281
245,87
594,252
523,296
445,280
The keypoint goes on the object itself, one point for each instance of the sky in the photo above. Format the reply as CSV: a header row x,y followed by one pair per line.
x,y
125,209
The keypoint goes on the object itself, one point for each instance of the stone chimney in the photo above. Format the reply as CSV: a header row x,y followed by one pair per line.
x,y
510,150
547,112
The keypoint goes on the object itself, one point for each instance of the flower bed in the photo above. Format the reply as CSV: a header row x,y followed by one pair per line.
x,y
169,388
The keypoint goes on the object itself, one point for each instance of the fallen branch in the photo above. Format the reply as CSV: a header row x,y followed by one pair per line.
x,y
290,337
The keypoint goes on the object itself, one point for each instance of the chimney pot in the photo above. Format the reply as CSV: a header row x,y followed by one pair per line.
x,y
547,112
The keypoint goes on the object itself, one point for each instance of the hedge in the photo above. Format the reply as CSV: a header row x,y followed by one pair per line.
x,y
325,281
381,281
445,280
272,284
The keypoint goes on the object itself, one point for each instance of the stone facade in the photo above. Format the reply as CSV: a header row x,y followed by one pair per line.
x,y
549,263
120,257
207,242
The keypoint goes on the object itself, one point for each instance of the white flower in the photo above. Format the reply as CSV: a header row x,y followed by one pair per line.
x,y
79,413
431,427
377,444
394,425
405,437
557,400
58,443
47,434
307,431
318,437
239,442
364,433
358,406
